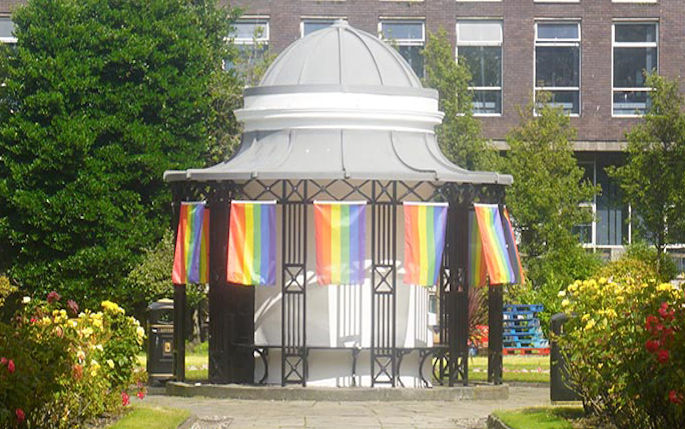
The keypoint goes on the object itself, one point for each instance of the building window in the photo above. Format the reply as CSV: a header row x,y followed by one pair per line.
x,y
635,54
557,64
251,37
311,25
7,30
611,227
408,37
479,43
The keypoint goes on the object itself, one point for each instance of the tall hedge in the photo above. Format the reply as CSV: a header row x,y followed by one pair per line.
x,y
100,97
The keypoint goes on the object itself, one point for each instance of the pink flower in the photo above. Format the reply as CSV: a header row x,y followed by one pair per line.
x,y
34,320
53,296
125,400
650,320
10,366
3,361
652,346
77,371
140,394
73,306
20,415
675,397
662,356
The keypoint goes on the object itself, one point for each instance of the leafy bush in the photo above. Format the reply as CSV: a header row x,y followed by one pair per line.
x,y
549,274
625,346
60,368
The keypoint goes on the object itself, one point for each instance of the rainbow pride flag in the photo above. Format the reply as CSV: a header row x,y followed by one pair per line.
x,y
252,243
477,270
424,241
495,251
514,256
191,256
340,229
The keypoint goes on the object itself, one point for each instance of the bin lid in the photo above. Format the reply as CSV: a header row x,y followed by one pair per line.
x,y
162,304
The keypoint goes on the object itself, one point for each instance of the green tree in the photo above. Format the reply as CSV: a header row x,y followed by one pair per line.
x,y
653,178
459,135
544,202
99,99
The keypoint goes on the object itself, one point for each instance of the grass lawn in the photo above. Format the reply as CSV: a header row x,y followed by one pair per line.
x,y
524,369
151,418
541,418
197,361
517,369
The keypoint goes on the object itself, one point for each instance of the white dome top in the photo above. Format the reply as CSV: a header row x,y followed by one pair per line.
x,y
340,55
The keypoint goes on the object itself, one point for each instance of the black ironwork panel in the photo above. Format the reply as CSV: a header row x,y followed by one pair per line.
x,y
383,283
294,283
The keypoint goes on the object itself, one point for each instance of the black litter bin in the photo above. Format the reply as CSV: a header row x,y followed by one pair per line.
x,y
160,351
559,390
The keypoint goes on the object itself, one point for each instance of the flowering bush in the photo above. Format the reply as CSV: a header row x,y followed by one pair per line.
x,y
625,348
60,368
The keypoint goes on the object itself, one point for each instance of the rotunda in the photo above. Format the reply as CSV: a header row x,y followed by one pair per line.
x,y
339,116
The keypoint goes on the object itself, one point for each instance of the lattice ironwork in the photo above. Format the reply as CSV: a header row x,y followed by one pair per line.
x,y
383,282
384,198
294,283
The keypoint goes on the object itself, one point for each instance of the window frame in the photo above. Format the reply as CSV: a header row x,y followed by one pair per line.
x,y
265,38
645,45
405,41
314,19
11,40
542,42
499,44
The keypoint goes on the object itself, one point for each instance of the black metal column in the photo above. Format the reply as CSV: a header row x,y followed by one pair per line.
x,y
294,283
461,289
496,329
179,353
231,306
458,301
219,297
383,283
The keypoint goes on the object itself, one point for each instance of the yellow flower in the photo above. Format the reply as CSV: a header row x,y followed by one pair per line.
x,y
590,324
565,303
140,331
110,363
664,287
561,294
112,307
46,320
585,318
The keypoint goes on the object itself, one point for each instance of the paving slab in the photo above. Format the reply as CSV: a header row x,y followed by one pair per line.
x,y
254,413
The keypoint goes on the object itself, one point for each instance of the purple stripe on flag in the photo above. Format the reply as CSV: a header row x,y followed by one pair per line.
x,y
196,217
354,244
439,223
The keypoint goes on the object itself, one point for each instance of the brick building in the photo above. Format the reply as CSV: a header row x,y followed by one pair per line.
x,y
589,54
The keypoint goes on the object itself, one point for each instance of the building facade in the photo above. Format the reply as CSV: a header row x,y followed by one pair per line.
x,y
590,55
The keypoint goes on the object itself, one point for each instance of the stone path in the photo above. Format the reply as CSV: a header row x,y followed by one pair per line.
x,y
239,414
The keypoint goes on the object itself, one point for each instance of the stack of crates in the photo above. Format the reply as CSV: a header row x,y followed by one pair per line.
x,y
522,331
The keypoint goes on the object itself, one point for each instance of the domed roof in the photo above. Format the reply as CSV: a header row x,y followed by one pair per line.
x,y
340,55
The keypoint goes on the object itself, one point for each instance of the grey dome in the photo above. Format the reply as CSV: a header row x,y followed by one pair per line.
x,y
340,55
